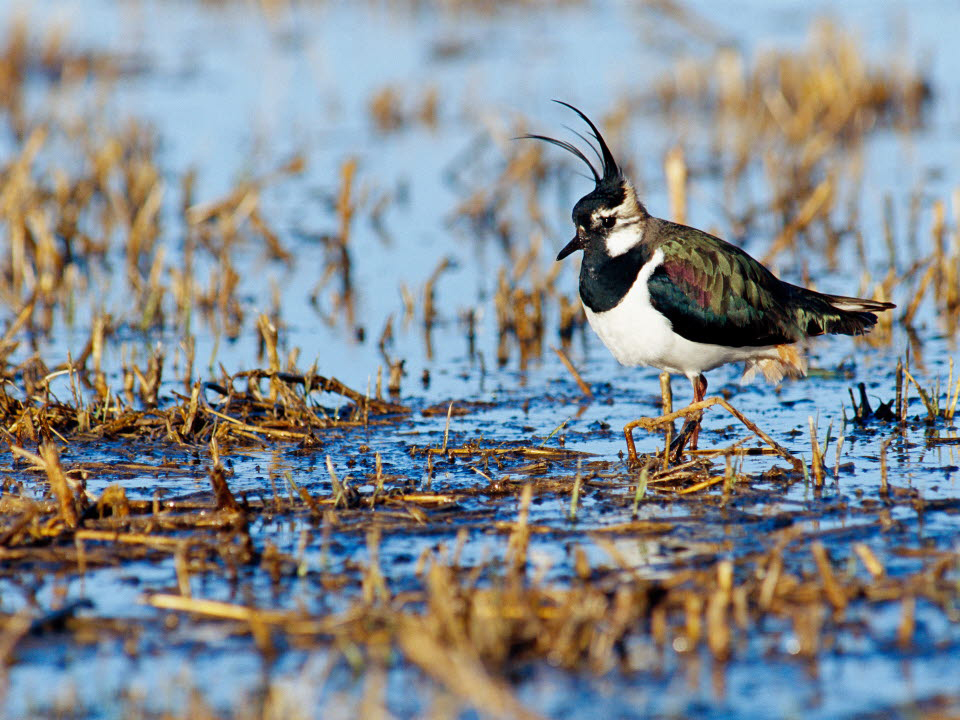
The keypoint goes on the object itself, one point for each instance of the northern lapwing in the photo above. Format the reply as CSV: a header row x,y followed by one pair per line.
x,y
672,297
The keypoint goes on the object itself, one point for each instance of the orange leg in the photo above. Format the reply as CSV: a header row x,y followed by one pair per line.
x,y
699,391
690,431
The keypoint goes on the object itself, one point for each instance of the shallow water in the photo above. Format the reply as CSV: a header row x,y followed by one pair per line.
x,y
232,93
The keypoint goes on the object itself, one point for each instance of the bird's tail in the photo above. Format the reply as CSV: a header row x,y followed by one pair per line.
x,y
841,315
852,304
817,314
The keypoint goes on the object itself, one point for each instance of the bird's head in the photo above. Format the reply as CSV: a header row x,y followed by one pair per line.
x,y
607,218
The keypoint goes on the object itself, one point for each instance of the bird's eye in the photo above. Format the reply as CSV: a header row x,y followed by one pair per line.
x,y
608,222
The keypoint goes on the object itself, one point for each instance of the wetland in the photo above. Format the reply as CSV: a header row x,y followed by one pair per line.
x,y
300,418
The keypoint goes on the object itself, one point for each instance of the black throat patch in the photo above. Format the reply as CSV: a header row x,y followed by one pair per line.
x,y
605,281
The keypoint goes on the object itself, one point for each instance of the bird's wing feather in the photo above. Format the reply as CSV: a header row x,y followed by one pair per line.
x,y
714,292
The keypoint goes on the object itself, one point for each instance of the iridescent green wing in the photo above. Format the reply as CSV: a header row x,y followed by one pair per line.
x,y
713,292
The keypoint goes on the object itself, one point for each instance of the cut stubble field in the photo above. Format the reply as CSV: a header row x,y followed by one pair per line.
x,y
192,498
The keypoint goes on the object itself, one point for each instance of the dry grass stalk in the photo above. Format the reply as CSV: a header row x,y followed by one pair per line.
x,y
192,419
519,313
181,564
429,297
695,408
718,621
931,396
459,670
114,501
69,504
395,378
520,536
15,629
213,608
816,456
374,583
831,587
641,491
389,115
218,480
446,428
675,169
869,560
907,627
564,358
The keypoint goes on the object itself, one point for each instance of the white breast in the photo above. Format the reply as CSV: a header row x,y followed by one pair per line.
x,y
637,334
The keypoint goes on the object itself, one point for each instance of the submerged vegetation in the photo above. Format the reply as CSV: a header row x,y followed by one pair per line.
x,y
293,514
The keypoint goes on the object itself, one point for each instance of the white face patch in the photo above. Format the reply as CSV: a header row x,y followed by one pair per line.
x,y
623,236
628,230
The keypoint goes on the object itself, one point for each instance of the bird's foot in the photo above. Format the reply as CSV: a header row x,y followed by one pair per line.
x,y
688,433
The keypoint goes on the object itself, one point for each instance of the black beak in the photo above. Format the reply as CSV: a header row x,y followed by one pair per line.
x,y
571,247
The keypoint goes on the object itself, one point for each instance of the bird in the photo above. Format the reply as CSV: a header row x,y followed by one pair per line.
x,y
664,295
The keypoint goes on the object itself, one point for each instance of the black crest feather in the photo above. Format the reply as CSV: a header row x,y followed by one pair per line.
x,y
570,148
611,171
